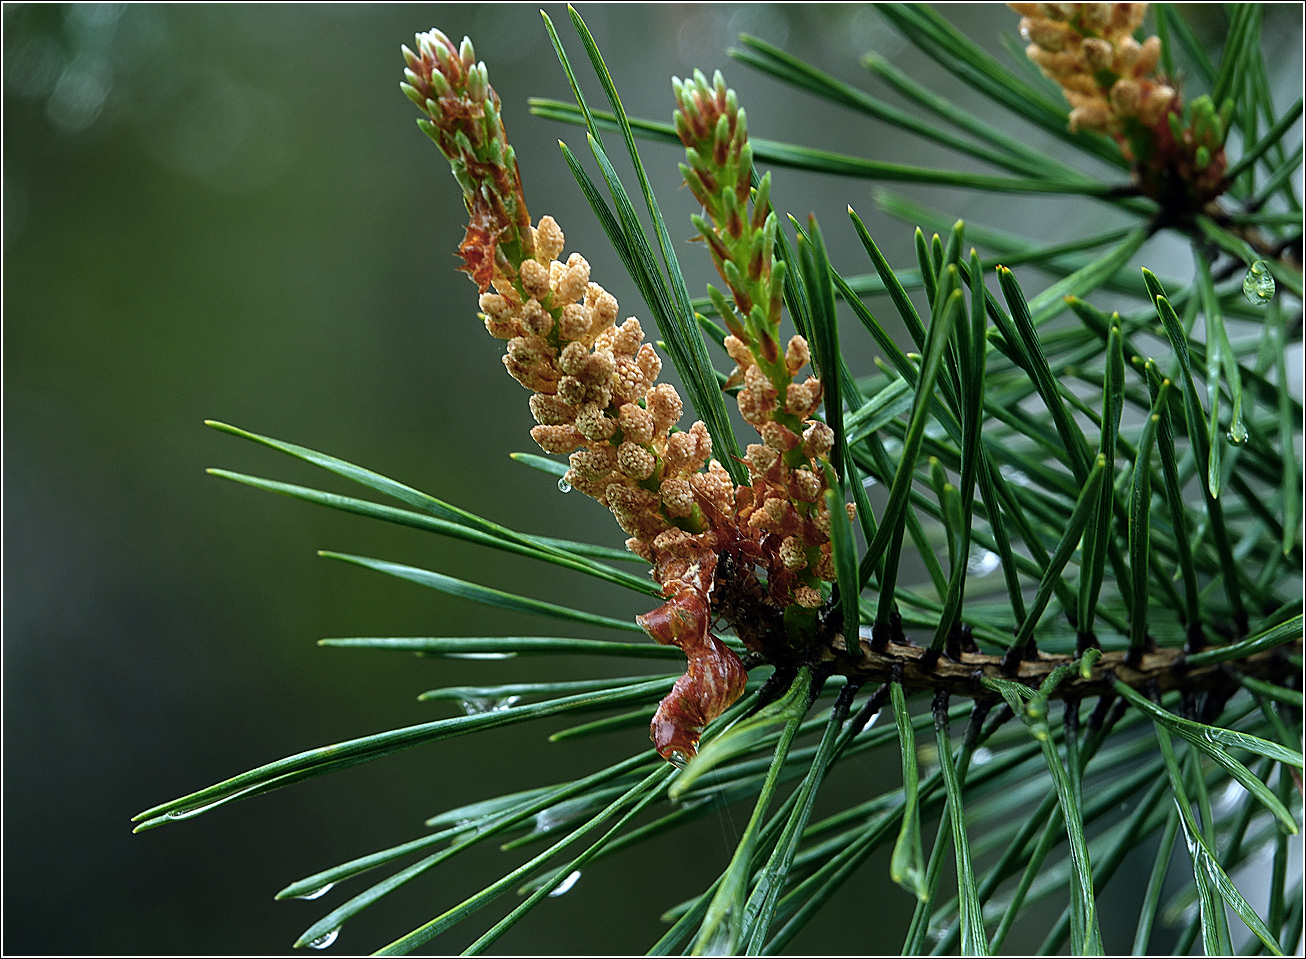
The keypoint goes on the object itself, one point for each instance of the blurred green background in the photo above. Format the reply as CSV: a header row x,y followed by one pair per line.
x,y
227,212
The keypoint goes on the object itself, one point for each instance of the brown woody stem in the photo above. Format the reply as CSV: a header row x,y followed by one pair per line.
x,y
1161,669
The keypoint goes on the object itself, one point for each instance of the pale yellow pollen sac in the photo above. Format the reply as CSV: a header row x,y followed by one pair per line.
x,y
1092,116
739,352
820,521
1126,55
572,390
1044,33
1077,86
529,350
798,400
597,369
502,329
594,461
1156,104
778,436
627,337
792,553
635,461
1098,54
760,459
576,322
716,487
758,382
556,439
1126,17
797,354
851,510
496,305
681,453
640,548
808,597
1065,63
633,498
807,485
648,361
677,497
702,444
778,510
550,410
1095,16
818,440
549,239
669,539
824,567
754,409
1148,56
541,378
536,319
576,277
628,382
602,304
535,279
595,487
636,423
816,389
593,425
573,358
1126,97
665,406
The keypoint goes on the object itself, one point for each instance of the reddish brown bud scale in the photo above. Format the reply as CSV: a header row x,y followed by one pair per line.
x,y
714,677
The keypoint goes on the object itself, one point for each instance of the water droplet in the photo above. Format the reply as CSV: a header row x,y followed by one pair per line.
x,y
563,485
196,810
1236,438
480,655
489,704
678,759
982,561
317,893
321,942
1013,475
565,886
1258,284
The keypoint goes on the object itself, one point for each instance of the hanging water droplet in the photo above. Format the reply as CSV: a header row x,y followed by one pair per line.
x,y
678,759
1258,284
321,942
565,886
475,706
982,561
1236,437
563,485
317,893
